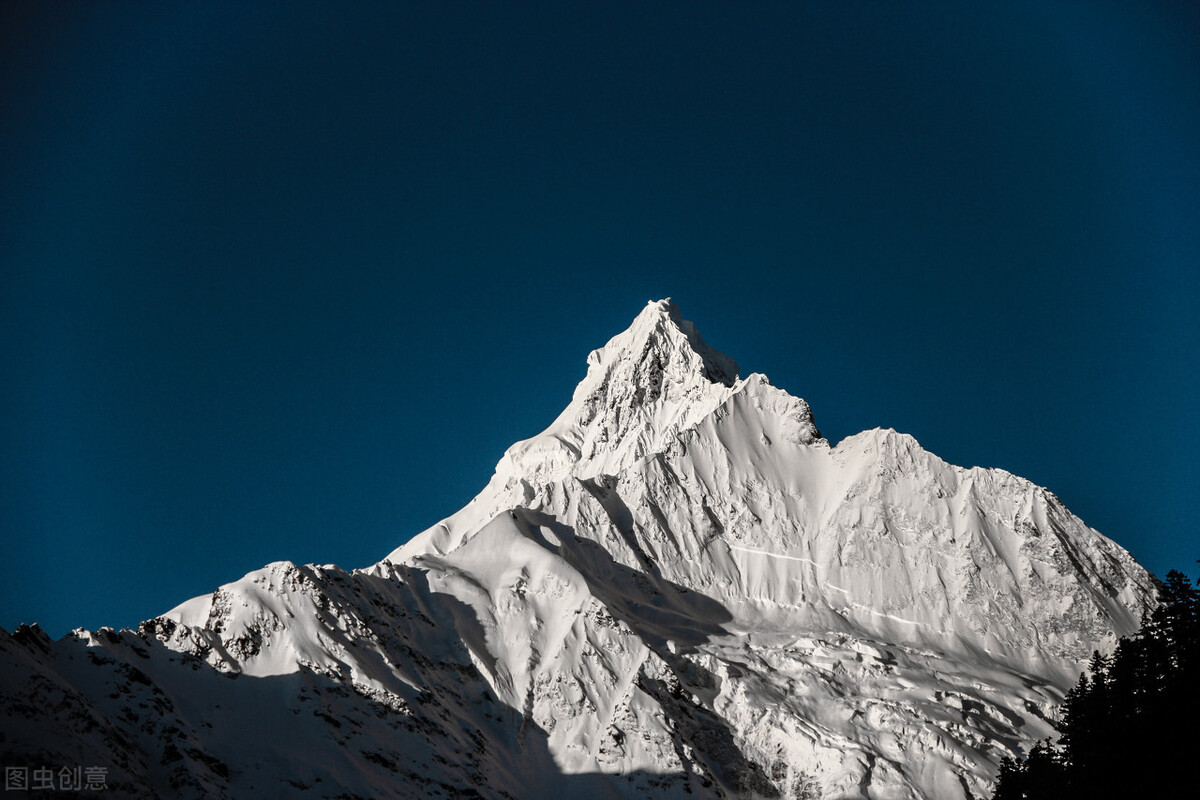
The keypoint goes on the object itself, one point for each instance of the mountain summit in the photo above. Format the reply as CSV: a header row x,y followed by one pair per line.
x,y
643,387
679,588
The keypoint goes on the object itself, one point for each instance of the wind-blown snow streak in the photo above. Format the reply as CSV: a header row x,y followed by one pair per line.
x,y
678,588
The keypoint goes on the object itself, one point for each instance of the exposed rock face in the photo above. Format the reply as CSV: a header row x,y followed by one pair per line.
x,y
678,589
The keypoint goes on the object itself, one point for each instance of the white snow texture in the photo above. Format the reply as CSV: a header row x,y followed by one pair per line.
x,y
678,589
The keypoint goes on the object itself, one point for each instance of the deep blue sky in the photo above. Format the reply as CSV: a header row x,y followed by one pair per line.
x,y
283,282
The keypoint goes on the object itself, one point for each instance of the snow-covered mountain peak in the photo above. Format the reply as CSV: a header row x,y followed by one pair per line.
x,y
647,390
660,335
642,388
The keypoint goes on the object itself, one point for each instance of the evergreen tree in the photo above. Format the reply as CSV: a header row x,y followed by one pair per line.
x,y
1122,731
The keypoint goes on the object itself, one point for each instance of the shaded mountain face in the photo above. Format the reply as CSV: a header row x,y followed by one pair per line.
x,y
679,588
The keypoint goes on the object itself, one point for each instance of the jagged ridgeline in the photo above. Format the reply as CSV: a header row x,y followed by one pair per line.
x,y
678,589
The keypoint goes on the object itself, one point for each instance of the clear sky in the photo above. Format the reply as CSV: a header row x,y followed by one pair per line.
x,y
284,281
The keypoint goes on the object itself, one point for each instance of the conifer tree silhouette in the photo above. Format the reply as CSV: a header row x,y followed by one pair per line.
x,y
1124,725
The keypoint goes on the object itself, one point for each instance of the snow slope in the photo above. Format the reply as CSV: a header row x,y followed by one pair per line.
x,y
678,588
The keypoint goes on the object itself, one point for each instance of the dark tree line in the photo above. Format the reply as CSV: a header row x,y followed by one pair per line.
x,y
1129,726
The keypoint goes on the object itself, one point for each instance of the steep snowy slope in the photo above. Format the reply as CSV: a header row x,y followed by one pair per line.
x,y
679,588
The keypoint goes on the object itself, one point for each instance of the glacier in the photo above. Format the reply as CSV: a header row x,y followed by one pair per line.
x,y
678,589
